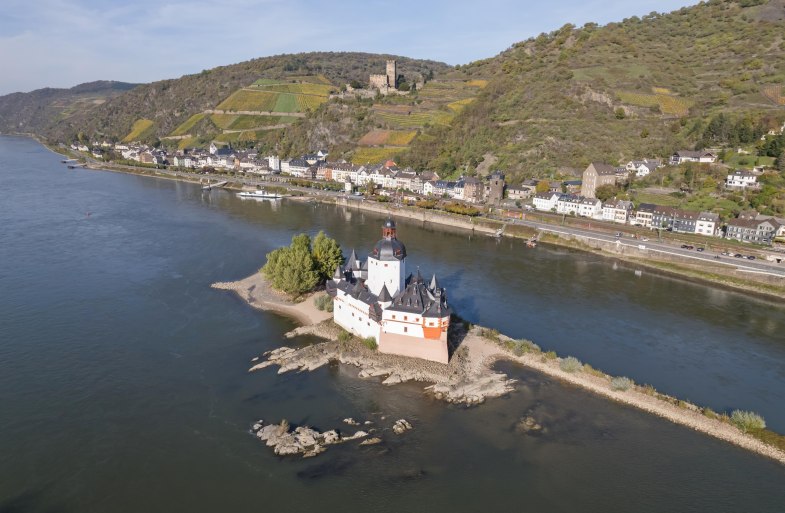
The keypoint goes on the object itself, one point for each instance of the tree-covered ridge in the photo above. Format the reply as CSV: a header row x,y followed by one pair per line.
x,y
645,86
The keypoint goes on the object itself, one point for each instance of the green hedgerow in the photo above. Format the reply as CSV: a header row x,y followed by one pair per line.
x,y
747,420
621,383
571,364
370,343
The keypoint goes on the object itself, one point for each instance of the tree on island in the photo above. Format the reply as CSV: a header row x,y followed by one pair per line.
x,y
299,267
327,255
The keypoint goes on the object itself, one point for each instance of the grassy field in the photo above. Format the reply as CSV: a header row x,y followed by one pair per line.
x,y
774,93
187,143
458,106
387,137
657,199
139,130
223,121
413,120
244,122
747,161
667,102
374,155
315,89
286,103
186,127
244,99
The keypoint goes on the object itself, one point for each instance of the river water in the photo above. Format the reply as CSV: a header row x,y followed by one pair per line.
x,y
123,383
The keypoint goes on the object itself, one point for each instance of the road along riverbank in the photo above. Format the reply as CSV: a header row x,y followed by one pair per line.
x,y
470,378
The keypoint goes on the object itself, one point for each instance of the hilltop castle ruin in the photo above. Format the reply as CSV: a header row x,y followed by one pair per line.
x,y
387,82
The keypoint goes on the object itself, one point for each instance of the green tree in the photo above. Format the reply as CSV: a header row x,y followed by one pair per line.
x,y
619,113
606,192
781,162
292,269
542,186
327,255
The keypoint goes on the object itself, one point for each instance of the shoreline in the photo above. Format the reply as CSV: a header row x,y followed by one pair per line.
x,y
469,378
462,222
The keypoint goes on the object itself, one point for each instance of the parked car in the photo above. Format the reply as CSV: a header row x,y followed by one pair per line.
x,y
700,249
684,246
751,257
738,255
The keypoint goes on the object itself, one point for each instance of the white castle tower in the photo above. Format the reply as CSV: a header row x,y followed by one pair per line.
x,y
387,262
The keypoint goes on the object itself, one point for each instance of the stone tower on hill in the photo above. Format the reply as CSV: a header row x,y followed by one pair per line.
x,y
392,74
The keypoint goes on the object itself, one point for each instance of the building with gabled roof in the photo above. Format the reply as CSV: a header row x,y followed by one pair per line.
x,y
376,299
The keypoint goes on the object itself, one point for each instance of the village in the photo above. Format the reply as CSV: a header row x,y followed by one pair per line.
x,y
576,197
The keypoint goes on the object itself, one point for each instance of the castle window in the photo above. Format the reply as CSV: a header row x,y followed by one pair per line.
x,y
393,316
405,317
385,265
405,329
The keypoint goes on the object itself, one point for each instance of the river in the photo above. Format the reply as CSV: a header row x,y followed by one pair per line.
x,y
123,383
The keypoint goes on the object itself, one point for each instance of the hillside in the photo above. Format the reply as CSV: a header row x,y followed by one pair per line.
x,y
37,110
641,87
171,103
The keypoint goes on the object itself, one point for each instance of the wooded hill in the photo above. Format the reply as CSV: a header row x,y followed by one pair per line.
x,y
37,111
641,87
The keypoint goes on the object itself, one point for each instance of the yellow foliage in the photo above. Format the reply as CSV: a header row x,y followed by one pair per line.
x,y
139,128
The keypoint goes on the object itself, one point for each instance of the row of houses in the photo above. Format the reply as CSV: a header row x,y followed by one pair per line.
x,y
748,227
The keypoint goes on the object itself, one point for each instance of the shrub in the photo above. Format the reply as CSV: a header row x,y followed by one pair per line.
x,y
570,364
523,346
621,383
709,413
344,336
370,343
551,355
323,303
588,369
747,420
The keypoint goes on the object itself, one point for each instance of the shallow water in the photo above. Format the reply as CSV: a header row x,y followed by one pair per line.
x,y
123,380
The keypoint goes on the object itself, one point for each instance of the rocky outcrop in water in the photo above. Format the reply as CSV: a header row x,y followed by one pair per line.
x,y
301,440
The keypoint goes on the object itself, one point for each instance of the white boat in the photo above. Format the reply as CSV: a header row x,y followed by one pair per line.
x,y
259,194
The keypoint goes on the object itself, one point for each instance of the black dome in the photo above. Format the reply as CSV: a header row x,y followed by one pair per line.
x,y
389,223
389,249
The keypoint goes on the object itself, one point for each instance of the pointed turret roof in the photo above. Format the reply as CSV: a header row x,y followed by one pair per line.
x,y
384,295
338,275
434,283
351,264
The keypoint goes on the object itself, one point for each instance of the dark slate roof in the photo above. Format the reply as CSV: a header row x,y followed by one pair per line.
x,y
384,295
419,298
603,169
389,249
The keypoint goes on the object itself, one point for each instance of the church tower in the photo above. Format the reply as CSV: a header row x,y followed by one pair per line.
x,y
387,262
392,74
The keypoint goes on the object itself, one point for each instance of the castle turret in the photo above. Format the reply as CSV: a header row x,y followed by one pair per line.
x,y
387,262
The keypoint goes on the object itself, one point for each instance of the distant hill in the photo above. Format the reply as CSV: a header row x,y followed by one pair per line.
x,y
171,103
37,111
641,87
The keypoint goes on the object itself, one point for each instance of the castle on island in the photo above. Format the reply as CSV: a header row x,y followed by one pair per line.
x,y
375,298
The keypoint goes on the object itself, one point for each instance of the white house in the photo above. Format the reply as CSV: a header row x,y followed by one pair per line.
x,y
546,201
590,207
568,204
707,223
742,179
680,157
617,211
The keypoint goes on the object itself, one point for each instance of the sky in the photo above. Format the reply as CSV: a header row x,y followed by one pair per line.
x,y
62,43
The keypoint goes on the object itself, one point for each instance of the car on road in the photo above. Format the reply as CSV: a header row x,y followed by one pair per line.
x,y
700,249
684,246
738,255
645,239
751,257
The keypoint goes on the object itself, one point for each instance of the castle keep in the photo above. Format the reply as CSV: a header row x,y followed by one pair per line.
x,y
388,81
376,298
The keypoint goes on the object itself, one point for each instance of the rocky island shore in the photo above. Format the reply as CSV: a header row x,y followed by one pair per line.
x,y
469,377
